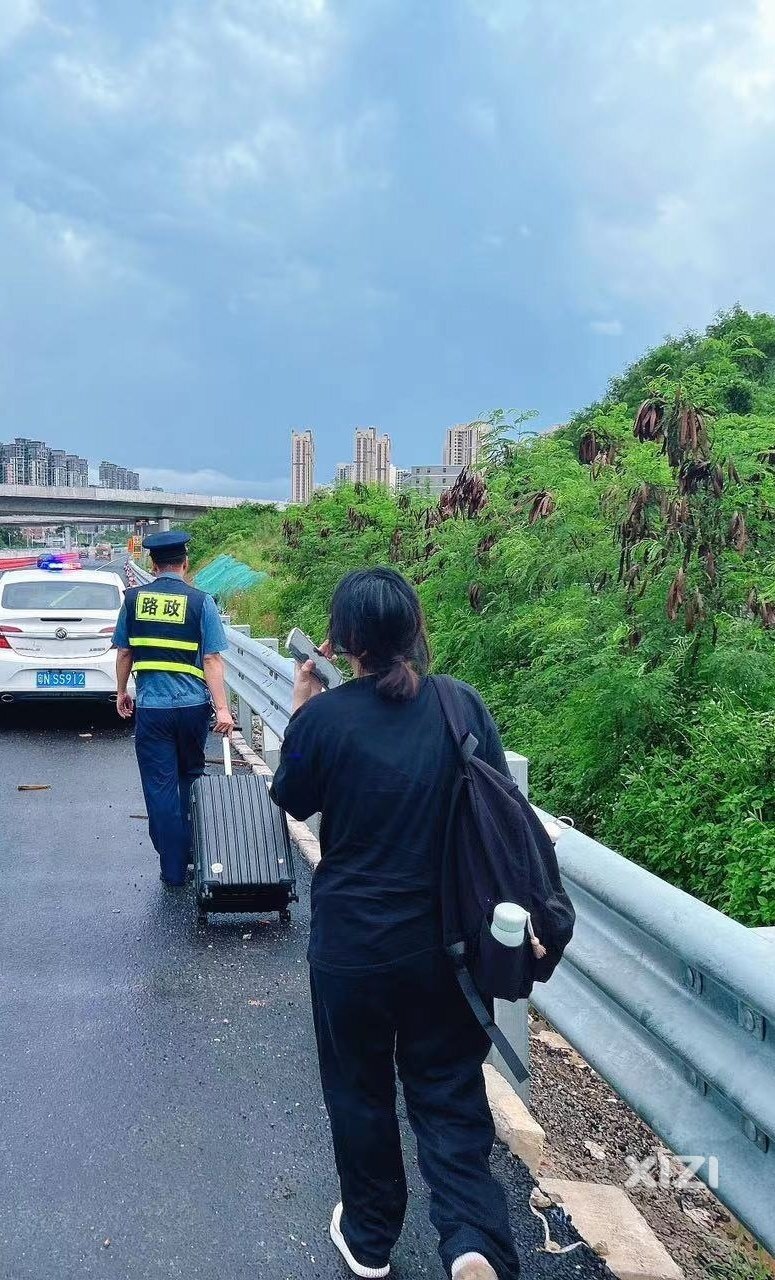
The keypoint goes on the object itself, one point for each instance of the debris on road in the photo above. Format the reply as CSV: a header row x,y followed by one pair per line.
x,y
537,1198
34,786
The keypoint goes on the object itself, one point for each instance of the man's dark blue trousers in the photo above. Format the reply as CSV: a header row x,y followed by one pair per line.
x,y
170,746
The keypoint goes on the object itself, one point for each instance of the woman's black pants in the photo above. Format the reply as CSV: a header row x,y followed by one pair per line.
x,y
411,1017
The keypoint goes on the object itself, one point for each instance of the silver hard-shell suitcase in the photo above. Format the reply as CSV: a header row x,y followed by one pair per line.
x,y
243,859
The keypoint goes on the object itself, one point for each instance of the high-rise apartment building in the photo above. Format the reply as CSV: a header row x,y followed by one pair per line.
x,y
371,464
77,471
344,473
364,469
302,466
26,461
463,444
383,463
115,477
32,462
57,467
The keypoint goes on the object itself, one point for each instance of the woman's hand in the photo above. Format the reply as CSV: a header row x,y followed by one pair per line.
x,y
305,684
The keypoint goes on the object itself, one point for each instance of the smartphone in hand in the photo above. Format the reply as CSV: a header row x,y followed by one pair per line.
x,y
303,649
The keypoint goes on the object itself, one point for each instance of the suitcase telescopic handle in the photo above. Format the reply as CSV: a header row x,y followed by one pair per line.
x,y
226,755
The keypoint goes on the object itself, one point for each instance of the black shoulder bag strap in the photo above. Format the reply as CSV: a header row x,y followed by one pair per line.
x,y
466,745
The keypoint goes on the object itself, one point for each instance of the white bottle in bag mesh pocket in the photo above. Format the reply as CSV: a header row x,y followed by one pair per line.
x,y
509,922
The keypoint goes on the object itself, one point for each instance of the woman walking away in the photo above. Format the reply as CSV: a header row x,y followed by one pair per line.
x,y
375,758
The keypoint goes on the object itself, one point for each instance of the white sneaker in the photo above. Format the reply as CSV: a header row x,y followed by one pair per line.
x,y
368,1273
472,1266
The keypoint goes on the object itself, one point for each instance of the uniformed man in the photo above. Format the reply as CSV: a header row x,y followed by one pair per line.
x,y
170,635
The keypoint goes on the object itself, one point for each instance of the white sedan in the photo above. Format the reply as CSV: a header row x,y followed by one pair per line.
x,y
56,629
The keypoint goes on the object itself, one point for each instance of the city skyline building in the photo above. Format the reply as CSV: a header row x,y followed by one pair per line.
x,y
113,476
33,462
364,468
372,457
383,462
463,444
344,473
77,471
302,466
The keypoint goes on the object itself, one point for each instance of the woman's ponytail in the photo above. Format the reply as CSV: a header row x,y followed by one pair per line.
x,y
400,682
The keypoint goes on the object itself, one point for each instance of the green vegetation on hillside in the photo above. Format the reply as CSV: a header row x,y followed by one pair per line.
x,y
610,589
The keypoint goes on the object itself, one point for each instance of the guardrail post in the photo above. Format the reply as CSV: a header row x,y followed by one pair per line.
x,y
512,1017
271,746
245,720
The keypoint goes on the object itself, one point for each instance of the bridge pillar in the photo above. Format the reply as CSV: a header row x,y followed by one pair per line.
x,y
164,524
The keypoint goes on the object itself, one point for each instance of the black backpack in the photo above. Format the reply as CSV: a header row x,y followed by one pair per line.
x,y
496,850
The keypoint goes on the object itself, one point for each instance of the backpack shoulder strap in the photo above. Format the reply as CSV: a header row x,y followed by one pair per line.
x,y
452,706
484,1016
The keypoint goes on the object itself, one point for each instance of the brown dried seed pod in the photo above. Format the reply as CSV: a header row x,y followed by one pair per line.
x,y
738,536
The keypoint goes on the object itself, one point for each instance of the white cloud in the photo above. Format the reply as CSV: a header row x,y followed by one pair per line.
x,y
205,60
16,17
210,481
675,229
74,247
273,151
492,240
668,45
742,73
96,85
501,15
607,328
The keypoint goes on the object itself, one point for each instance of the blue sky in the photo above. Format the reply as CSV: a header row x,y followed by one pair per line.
x,y
220,219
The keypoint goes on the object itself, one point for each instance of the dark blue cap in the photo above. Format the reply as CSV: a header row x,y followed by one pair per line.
x,y
169,545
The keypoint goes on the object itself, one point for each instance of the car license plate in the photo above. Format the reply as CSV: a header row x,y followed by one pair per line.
x,y
61,679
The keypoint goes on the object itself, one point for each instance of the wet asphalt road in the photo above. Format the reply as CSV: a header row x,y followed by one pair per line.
x,y
161,1114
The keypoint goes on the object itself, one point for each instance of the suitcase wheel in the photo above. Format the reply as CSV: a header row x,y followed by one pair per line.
x,y
285,915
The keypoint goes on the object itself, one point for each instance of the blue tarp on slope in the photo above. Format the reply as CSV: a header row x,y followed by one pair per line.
x,y
225,576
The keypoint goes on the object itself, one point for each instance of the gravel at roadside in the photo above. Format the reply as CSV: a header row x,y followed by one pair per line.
x,y
590,1131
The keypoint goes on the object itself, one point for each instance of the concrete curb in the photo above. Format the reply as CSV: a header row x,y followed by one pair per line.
x,y
605,1216
514,1125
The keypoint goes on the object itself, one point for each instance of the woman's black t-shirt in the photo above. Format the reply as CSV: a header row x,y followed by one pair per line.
x,y
380,773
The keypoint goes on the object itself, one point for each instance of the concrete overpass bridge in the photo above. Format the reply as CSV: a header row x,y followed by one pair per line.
x,y
44,504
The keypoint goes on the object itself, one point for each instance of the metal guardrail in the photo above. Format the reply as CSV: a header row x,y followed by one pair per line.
x,y
136,575
673,1004
261,678
669,1000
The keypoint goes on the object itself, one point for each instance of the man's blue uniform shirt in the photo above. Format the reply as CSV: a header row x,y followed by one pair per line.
x,y
165,688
